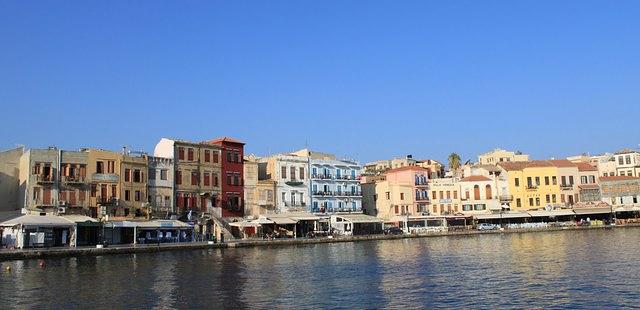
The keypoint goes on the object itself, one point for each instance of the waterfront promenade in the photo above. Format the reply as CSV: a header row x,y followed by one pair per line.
x,y
40,253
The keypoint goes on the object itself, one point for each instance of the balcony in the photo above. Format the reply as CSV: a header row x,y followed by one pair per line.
x,y
294,182
348,194
44,203
322,193
419,198
322,176
106,200
73,179
506,198
532,187
347,178
105,178
566,187
45,179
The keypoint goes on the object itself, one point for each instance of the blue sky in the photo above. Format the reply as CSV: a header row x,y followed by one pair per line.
x,y
363,79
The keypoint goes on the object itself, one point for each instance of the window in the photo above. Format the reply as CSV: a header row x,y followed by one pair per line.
x,y
94,190
564,180
583,179
127,195
388,195
194,178
181,153
207,156
627,159
548,198
138,196
36,169
283,172
229,159
518,203
111,166
401,196
99,167
531,202
293,173
553,198
441,194
137,176
207,181
215,180
301,173
546,180
529,182
620,160
537,181
163,174
537,201
178,177
229,179
554,180
455,194
190,154
570,180
127,175
396,209
487,192
592,179
434,195
517,181
215,157
476,192
114,191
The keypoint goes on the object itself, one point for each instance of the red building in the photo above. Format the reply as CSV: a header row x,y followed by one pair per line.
x,y
231,172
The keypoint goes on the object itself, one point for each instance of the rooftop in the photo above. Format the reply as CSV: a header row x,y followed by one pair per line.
x,y
618,178
475,178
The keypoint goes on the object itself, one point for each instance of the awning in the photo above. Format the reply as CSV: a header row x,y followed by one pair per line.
x,y
552,213
262,221
159,224
82,220
120,224
283,221
360,218
243,224
35,221
505,215
584,211
627,209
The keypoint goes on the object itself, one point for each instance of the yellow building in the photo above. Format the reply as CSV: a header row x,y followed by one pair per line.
x,y
538,184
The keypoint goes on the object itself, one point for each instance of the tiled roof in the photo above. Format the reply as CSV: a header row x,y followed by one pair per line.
x,y
618,178
475,178
519,165
405,168
225,139
586,167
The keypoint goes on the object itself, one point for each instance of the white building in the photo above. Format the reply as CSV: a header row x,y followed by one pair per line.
x,y
160,184
290,172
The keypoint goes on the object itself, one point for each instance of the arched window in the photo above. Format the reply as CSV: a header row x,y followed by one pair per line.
x,y
476,192
487,191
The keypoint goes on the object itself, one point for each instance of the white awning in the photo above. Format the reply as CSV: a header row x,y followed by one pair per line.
x,y
505,215
360,218
584,211
551,213
243,224
34,221
283,220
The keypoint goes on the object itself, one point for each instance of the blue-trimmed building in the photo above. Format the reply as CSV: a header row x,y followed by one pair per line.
x,y
334,184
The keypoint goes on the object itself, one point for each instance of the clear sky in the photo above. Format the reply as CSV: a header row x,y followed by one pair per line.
x,y
363,79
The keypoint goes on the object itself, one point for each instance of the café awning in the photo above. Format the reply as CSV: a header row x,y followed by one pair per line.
x,y
283,220
82,220
35,221
585,211
552,213
504,215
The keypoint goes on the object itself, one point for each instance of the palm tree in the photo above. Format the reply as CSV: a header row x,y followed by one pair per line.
x,y
454,161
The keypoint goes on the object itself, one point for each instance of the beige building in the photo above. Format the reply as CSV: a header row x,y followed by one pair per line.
x,y
445,198
197,174
250,176
39,177
499,155
103,173
10,179
133,184
399,192
73,185
627,163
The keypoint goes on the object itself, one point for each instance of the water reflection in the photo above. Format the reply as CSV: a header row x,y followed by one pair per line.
x,y
577,269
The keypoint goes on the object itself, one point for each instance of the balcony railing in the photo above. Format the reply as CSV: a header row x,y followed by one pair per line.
x,y
322,176
505,198
44,203
566,187
73,179
348,194
532,187
323,193
43,178
106,200
420,198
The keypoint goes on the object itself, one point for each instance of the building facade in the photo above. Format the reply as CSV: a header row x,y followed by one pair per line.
x,y
399,192
334,184
160,182
499,155
232,186
10,179
103,173
74,186
620,190
196,175
39,180
479,194
250,177
627,163
290,174
445,198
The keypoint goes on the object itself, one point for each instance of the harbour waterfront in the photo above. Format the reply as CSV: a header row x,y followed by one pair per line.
x,y
568,269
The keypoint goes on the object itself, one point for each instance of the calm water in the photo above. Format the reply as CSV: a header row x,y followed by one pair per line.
x,y
587,269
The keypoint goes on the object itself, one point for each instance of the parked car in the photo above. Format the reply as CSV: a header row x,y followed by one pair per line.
x,y
393,231
487,226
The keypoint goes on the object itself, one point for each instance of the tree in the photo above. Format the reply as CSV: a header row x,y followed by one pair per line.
x,y
454,161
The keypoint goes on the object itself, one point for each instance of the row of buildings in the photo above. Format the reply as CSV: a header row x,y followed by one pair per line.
x,y
214,179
